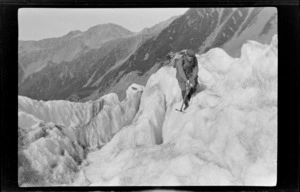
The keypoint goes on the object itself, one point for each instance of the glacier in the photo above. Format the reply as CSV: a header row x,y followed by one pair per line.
x,y
227,136
54,136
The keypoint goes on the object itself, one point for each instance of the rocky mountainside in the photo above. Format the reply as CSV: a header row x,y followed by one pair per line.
x,y
158,27
199,29
71,67
118,63
35,55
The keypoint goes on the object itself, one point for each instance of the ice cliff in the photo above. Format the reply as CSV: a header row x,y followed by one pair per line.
x,y
228,135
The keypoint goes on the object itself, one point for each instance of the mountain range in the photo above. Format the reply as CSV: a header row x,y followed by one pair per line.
x,y
82,66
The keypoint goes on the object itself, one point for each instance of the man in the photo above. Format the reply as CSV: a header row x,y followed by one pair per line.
x,y
187,75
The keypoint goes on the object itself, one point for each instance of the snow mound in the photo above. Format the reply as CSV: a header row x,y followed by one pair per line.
x,y
55,136
228,135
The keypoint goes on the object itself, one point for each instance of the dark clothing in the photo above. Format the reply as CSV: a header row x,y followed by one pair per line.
x,y
191,91
187,70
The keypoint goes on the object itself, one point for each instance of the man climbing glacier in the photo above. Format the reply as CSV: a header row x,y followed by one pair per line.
x,y
186,73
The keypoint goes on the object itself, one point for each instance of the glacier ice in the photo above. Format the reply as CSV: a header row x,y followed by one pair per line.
x,y
56,135
228,135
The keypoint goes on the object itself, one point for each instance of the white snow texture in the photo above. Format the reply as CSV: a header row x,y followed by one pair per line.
x,y
227,136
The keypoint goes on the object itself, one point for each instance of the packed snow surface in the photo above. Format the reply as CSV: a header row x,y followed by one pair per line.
x,y
228,135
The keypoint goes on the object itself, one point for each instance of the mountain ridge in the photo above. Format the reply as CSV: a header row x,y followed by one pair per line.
x,y
200,29
77,31
112,52
35,55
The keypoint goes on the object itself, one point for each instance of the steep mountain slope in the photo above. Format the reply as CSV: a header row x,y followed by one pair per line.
x,y
158,27
199,29
228,135
260,24
71,67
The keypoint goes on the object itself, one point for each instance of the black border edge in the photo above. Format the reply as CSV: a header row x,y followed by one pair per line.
x,y
288,89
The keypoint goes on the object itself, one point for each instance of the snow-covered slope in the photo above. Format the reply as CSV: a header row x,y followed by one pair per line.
x,y
228,135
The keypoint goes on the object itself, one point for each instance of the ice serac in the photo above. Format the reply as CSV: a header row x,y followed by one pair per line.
x,y
54,136
228,135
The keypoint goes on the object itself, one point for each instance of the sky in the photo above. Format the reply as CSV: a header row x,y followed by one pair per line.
x,y
38,23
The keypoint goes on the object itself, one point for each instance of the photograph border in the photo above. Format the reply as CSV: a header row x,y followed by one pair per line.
x,y
288,90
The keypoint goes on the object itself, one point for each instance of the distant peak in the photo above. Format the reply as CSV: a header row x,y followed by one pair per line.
x,y
107,26
74,32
